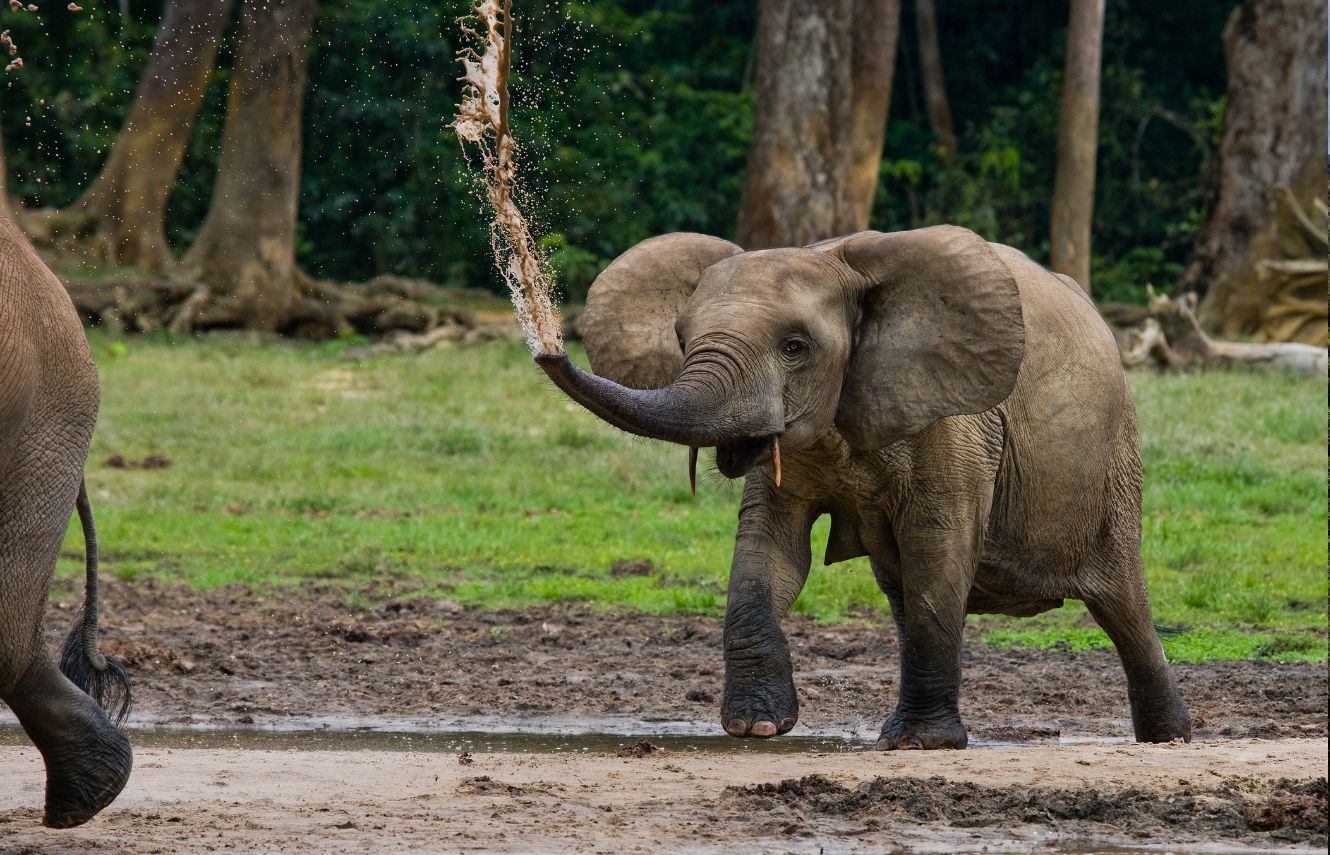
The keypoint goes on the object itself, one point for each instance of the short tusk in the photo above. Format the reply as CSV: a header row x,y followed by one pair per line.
x,y
692,469
775,457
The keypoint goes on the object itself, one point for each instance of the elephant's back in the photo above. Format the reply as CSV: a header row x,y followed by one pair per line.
x,y
45,363
1069,419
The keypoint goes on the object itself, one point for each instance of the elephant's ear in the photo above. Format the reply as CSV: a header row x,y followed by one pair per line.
x,y
940,332
628,325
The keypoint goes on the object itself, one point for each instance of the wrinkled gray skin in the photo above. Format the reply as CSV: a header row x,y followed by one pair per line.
x,y
959,411
48,404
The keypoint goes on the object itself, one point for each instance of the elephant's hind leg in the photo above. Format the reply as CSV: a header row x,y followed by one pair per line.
x,y
1112,585
1122,608
1119,601
87,757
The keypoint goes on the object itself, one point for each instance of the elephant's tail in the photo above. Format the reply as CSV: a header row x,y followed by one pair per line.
x,y
102,677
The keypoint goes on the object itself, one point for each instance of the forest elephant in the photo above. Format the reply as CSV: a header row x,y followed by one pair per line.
x,y
48,405
959,412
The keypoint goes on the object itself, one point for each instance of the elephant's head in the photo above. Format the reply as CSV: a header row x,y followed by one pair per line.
x,y
697,342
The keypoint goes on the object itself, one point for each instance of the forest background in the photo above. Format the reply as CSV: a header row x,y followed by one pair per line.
x,y
638,117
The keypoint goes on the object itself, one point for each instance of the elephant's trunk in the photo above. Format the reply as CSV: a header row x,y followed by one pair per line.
x,y
689,411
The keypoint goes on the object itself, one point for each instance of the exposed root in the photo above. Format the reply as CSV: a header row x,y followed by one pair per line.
x,y
321,310
1276,292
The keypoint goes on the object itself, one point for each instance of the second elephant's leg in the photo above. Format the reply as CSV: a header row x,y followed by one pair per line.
x,y
87,757
771,560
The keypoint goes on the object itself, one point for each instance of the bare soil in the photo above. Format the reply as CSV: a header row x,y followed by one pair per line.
x,y
1053,770
1206,797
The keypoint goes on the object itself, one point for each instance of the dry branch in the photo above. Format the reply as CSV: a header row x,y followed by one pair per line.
x,y
1167,334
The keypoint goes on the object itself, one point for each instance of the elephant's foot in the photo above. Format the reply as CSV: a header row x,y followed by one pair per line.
x,y
86,775
762,708
902,732
1163,721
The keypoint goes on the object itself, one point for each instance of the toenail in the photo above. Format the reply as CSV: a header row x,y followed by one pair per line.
x,y
763,729
786,725
737,727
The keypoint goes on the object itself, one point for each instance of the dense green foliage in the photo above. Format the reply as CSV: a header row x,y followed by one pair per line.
x,y
460,474
636,119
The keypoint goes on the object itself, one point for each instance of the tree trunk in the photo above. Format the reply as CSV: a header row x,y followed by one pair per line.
x,y
1078,142
1274,133
823,82
245,251
120,220
241,270
935,84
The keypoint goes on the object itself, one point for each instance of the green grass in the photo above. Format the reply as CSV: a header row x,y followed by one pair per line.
x,y
462,474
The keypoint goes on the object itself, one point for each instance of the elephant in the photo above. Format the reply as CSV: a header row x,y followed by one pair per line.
x,y
958,411
49,398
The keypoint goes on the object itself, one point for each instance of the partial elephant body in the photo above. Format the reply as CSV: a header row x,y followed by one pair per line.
x,y
48,406
957,410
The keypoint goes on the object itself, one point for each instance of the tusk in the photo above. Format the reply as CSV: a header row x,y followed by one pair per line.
x,y
692,469
775,457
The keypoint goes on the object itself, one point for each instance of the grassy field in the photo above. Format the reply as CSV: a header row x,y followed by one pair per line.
x,y
463,474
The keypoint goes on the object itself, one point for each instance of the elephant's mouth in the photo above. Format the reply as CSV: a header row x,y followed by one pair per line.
x,y
735,459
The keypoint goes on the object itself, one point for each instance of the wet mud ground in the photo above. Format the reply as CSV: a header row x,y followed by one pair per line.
x,y
1053,768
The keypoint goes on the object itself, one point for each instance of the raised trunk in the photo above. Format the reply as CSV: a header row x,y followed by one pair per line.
x,y
681,412
1274,138
1078,143
120,220
245,252
823,88
935,84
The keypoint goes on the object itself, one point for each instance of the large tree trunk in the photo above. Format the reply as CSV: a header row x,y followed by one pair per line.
x,y
1274,138
824,70
1078,144
245,252
935,84
120,220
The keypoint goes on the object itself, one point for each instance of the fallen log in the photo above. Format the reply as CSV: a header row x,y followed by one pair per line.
x,y
1166,334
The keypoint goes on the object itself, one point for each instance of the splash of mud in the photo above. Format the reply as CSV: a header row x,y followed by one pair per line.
x,y
482,126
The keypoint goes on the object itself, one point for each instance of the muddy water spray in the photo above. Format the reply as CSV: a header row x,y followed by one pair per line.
x,y
482,126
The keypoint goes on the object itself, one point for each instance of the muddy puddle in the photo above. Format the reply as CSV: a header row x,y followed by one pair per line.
x,y
346,733
453,742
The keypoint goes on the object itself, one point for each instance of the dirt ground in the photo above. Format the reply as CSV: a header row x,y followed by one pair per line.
x,y
1051,770
1201,797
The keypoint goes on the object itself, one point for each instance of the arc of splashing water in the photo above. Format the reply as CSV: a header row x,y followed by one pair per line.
x,y
482,114
482,121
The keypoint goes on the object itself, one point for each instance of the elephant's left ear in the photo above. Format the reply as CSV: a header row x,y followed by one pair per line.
x,y
940,332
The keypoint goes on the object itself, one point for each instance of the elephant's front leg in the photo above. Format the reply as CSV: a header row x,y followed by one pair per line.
x,y
937,571
771,560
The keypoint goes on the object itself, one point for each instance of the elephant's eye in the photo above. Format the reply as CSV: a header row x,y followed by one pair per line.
x,y
793,348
